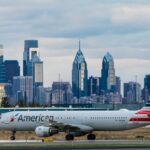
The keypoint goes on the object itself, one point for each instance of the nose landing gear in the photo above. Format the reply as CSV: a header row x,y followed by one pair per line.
x,y
13,135
91,136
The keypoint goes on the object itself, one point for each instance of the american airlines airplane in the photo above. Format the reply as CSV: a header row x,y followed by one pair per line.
x,y
73,122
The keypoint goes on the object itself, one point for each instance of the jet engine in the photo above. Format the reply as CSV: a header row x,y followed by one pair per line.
x,y
42,131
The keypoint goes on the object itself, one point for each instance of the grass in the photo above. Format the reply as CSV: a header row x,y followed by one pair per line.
x,y
129,134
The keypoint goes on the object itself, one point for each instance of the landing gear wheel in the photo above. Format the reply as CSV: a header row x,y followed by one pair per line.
x,y
13,135
91,137
12,138
69,137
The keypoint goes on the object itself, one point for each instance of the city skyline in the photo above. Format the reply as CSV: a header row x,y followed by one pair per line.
x,y
122,29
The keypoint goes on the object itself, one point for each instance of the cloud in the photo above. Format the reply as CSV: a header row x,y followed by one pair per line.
x,y
121,27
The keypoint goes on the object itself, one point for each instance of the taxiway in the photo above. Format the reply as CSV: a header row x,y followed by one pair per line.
x,y
77,144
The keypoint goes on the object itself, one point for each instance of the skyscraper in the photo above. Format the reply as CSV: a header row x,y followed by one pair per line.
x,y
35,69
146,89
132,92
118,85
12,69
62,91
108,79
93,86
2,67
23,89
28,45
79,75
147,83
33,66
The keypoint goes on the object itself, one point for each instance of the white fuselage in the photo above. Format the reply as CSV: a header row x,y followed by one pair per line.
x,y
98,120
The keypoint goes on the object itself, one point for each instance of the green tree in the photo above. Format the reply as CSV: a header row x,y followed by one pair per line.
x,y
4,102
21,103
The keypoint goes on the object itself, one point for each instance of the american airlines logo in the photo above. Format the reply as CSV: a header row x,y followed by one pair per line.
x,y
40,118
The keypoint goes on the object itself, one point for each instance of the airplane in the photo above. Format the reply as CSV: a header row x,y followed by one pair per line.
x,y
73,122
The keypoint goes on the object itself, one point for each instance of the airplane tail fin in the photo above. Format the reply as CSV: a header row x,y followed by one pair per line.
x,y
144,111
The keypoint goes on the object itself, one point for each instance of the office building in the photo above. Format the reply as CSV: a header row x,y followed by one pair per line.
x,y
43,96
93,86
33,66
23,89
12,69
61,93
40,97
132,92
48,96
79,75
113,98
2,67
108,79
35,69
118,85
147,83
57,97
145,95
30,46
146,89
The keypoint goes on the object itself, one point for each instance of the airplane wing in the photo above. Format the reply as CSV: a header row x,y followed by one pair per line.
x,y
70,127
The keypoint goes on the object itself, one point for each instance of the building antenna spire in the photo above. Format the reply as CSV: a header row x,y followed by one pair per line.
x,y
79,44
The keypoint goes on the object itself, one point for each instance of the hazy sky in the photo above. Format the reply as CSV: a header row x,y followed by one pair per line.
x,y
121,27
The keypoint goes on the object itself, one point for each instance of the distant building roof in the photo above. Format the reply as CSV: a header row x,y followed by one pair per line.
x,y
108,57
35,58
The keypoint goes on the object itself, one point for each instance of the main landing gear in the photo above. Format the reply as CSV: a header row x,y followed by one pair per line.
x,y
13,135
70,137
91,136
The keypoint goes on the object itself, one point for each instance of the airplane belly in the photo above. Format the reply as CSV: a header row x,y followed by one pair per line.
x,y
109,125
26,126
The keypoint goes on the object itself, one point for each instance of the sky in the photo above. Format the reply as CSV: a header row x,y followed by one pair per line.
x,y
121,27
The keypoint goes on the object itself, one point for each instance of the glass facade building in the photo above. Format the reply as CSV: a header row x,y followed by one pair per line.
x,y
108,79
2,67
12,69
132,92
118,85
33,66
62,91
35,69
147,83
23,89
2,70
79,75
93,86
28,44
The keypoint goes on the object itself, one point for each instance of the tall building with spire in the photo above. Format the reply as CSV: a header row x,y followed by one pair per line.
x,y
79,75
108,79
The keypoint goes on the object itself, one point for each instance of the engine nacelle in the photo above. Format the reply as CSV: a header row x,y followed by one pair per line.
x,y
42,131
